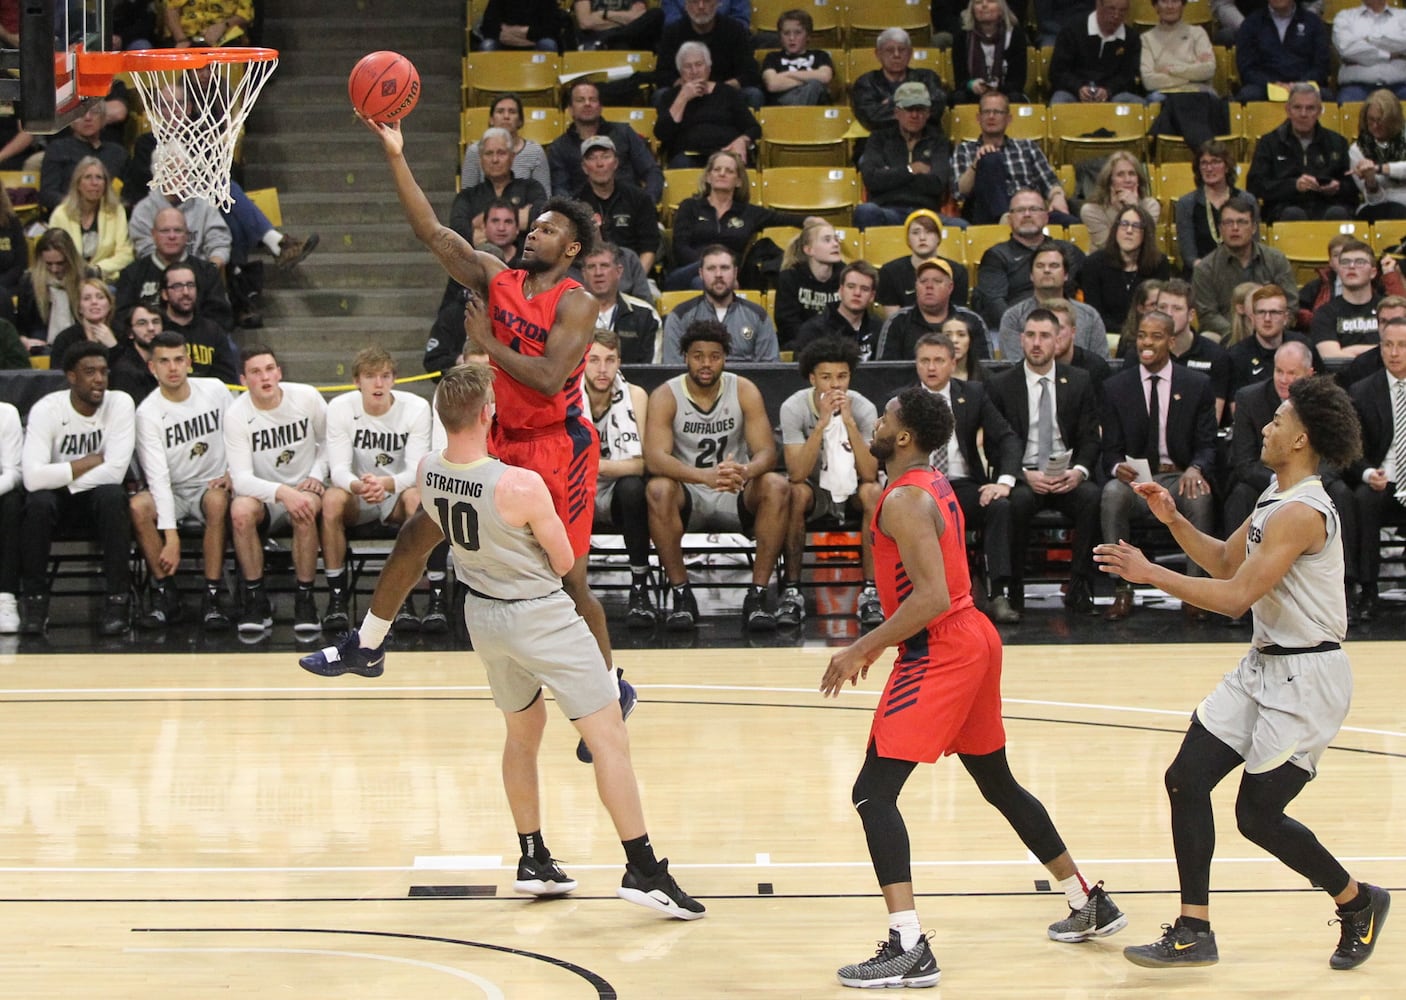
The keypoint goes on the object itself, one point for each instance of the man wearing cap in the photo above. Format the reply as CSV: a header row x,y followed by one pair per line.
x,y
872,94
637,165
627,215
989,170
908,166
933,307
923,228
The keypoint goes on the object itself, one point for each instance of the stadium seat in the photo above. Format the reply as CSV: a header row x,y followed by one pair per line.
x,y
885,243
828,18
603,65
1306,243
530,75
1387,233
805,136
541,125
1143,13
267,201
682,182
640,119
866,19
1079,236
1027,121
829,192
979,239
1072,127
1173,148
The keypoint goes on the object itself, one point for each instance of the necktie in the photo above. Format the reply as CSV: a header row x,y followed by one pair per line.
x,y
1398,438
1153,450
938,459
1044,435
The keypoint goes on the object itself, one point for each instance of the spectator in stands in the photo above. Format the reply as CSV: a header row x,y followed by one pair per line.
x,y
1198,212
809,282
1346,325
720,213
796,74
376,436
825,433
499,183
93,216
617,24
1097,61
738,10
989,53
186,480
14,255
932,307
633,321
923,229
1370,361
729,46
1176,57
1242,325
1003,276
992,169
1121,183
1190,348
872,94
637,163
969,347
77,448
907,166
11,510
275,441
207,233
1252,359
699,116
93,322
1051,407
1068,352
981,443
48,296
633,281
129,362
628,217
83,138
1230,14
1144,301
1370,41
1378,157
1281,43
522,24
1240,257
849,317
1128,256
709,451
209,23
1048,275
211,351
143,279
1378,477
1172,425
750,327
619,410
502,236
529,158
1300,169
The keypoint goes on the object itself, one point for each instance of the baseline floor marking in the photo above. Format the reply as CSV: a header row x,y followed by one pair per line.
x,y
490,989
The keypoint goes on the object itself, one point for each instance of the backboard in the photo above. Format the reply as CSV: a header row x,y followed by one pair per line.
x,y
46,96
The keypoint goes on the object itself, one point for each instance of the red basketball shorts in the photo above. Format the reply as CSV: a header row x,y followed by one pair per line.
x,y
567,460
945,699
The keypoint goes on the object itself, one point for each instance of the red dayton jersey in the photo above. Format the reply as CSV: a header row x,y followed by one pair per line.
x,y
890,576
523,325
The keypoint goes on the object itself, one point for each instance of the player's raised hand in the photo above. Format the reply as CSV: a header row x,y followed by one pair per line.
x,y
1159,501
1123,559
389,133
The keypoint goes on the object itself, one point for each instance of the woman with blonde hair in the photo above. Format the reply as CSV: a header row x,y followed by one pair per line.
x,y
95,308
1378,158
94,217
49,291
990,53
809,280
1120,184
1242,323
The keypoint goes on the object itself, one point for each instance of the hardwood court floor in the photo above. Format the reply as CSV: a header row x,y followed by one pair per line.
x,y
198,825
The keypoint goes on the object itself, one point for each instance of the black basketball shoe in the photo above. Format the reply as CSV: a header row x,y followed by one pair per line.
x,y
1179,945
1360,929
893,968
659,892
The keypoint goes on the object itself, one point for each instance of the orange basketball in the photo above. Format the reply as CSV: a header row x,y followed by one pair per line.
x,y
384,86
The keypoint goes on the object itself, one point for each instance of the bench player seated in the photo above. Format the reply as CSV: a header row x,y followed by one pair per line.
x,y
825,432
376,436
275,437
710,452
181,447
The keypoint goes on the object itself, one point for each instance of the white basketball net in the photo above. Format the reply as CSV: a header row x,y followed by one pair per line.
x,y
197,117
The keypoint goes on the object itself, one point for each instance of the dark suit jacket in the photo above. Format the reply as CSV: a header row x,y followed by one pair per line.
x,y
1372,397
1191,418
1254,407
1076,410
974,411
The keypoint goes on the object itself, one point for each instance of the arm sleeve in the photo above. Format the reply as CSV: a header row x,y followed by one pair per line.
x,y
139,227
992,286
151,452
556,164
1064,74
241,461
417,446
646,167
767,348
1203,292
673,331
540,172
14,261
39,471
338,447
319,430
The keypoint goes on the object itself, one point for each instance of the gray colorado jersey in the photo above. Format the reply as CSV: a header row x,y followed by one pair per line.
x,y
490,556
704,438
1308,606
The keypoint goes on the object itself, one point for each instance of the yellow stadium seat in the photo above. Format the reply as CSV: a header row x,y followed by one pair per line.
x,y
530,75
829,192
639,119
1027,121
1173,148
979,239
885,243
605,64
1388,233
1071,126
267,201
1079,236
804,136
1306,243
866,19
827,15
1143,13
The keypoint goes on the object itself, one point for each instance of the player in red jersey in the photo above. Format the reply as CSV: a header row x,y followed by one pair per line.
x,y
536,332
942,697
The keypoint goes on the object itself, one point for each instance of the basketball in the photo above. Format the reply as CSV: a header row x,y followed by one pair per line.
x,y
384,86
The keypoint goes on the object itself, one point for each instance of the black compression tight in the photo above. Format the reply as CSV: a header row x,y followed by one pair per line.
x,y
1023,811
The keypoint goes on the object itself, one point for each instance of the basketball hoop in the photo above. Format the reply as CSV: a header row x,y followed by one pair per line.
x,y
197,101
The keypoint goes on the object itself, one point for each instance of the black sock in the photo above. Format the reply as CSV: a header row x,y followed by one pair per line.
x,y
1195,924
639,577
532,846
680,589
306,587
640,853
1357,903
254,587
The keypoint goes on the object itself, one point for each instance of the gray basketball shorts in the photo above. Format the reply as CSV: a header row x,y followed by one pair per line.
x,y
712,510
375,513
605,488
186,499
1274,710
540,642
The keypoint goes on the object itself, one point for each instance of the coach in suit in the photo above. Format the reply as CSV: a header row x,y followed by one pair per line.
x,y
1380,493
985,504
1072,426
1179,446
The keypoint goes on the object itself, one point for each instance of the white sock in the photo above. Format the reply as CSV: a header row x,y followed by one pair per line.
x,y
908,927
273,239
1076,890
373,631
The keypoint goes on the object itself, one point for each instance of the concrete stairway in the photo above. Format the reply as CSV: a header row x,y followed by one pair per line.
x,y
370,280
